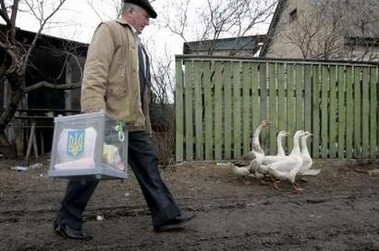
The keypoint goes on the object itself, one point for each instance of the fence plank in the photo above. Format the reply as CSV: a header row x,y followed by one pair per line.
x,y
365,113
373,113
282,87
325,80
341,112
349,112
208,84
264,94
294,77
272,78
314,122
198,108
227,111
256,91
308,103
179,107
218,121
357,112
247,103
189,80
299,93
332,113
236,104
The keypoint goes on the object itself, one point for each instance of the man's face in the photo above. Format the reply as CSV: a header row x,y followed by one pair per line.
x,y
139,18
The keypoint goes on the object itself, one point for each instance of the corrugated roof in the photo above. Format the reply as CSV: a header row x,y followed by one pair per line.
x,y
26,37
224,44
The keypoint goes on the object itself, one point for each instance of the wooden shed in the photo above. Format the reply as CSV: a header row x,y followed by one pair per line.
x,y
56,61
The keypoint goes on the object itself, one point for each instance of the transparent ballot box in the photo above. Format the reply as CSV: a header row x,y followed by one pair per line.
x,y
90,145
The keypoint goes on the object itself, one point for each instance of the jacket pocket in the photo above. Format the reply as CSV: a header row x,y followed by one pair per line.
x,y
117,99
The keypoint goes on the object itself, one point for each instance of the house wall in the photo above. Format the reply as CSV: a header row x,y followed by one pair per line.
x,y
362,53
280,45
324,27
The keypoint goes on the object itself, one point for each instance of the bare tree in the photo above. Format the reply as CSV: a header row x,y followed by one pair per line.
x,y
15,57
162,78
210,20
162,111
216,19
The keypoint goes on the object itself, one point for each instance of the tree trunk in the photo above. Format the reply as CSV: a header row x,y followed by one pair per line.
x,y
8,151
16,79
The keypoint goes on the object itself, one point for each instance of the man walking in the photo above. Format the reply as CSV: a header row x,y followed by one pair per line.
x,y
117,79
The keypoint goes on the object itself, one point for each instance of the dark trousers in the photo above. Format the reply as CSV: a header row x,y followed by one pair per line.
x,y
143,160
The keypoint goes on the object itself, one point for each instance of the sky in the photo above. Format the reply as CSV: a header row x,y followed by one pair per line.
x,y
78,19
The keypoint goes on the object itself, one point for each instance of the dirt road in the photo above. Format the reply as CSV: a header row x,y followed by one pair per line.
x,y
338,210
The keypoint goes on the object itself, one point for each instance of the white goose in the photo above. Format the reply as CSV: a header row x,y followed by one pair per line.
x,y
260,167
255,144
279,146
256,153
288,167
240,170
280,150
307,159
256,148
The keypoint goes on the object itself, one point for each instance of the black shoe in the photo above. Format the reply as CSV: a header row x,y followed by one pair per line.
x,y
175,224
68,232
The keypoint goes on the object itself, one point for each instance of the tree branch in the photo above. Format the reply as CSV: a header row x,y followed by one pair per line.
x,y
53,86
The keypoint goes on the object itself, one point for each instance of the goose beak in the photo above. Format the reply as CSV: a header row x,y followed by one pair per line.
x,y
307,133
266,122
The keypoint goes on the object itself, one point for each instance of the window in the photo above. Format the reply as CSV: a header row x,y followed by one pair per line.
x,y
293,15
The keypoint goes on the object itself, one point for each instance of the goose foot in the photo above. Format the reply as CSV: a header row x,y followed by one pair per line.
x,y
297,188
303,179
296,184
263,182
272,179
275,183
245,181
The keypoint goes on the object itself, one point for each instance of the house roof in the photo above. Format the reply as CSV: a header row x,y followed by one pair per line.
x,y
361,20
251,43
26,37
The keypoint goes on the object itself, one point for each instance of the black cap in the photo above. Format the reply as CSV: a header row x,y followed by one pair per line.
x,y
144,4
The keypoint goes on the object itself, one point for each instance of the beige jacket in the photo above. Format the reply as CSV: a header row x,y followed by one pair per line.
x,y
111,79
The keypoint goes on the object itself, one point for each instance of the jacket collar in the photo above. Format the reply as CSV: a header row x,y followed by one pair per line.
x,y
125,23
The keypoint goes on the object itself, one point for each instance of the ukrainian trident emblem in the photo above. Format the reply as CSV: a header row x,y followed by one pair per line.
x,y
75,142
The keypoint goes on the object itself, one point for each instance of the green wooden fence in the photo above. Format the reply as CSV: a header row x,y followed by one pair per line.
x,y
220,101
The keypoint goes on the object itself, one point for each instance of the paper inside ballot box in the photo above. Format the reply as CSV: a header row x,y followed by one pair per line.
x,y
76,150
